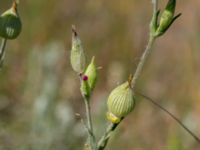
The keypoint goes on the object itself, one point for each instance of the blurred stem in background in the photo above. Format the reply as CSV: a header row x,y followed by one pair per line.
x,y
2,51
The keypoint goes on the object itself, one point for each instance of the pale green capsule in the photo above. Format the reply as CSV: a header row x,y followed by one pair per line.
x,y
120,102
77,57
91,73
10,23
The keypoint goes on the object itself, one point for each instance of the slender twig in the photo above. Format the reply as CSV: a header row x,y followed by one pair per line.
x,y
2,51
89,123
170,114
148,47
104,139
89,127
142,61
155,6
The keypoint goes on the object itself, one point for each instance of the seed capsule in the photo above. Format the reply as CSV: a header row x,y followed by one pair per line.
x,y
10,23
77,57
120,102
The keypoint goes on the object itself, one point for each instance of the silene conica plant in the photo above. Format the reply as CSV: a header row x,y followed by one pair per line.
x,y
121,100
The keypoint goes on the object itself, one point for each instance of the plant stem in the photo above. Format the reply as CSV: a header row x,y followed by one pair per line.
x,y
149,45
92,139
104,139
142,60
2,51
155,6
170,114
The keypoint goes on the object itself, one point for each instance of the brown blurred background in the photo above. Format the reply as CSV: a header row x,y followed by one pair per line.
x,y
39,92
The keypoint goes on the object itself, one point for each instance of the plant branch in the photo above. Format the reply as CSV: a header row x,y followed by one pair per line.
x,y
149,46
155,6
2,51
104,139
89,124
142,60
170,114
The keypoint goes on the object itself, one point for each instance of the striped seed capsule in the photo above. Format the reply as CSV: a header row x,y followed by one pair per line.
x,y
120,103
10,23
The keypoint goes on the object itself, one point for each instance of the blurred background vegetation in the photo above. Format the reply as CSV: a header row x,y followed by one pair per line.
x,y
39,92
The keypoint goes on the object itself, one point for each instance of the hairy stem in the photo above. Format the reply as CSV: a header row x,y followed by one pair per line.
x,y
2,51
170,114
104,139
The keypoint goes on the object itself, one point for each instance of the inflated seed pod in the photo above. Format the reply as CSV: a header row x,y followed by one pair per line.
x,y
77,57
91,73
10,23
167,18
120,103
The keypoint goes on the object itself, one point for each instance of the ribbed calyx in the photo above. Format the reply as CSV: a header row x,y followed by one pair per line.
x,y
10,23
120,102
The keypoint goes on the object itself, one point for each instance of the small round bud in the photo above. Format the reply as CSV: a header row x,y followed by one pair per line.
x,y
10,23
120,102
77,57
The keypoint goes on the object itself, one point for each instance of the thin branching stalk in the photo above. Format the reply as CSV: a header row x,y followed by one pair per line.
x,y
89,124
92,139
170,114
142,60
2,51
148,47
104,139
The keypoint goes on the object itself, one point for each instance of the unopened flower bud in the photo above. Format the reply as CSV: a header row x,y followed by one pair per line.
x,y
91,73
120,102
10,23
167,17
77,54
89,79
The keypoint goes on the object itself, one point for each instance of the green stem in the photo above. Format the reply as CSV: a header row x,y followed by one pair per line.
x,y
92,139
104,139
149,45
143,60
2,51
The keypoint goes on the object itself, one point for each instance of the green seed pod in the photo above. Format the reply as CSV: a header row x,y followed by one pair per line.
x,y
77,57
10,23
91,73
120,102
167,17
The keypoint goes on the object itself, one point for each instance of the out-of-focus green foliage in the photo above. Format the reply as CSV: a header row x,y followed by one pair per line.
x,y
39,92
